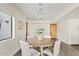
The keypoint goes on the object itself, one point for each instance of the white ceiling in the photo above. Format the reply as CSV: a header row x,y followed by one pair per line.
x,y
53,10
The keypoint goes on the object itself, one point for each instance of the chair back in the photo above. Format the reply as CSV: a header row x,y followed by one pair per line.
x,y
25,48
30,36
56,49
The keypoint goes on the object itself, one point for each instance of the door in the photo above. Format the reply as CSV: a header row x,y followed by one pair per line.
x,y
53,30
26,30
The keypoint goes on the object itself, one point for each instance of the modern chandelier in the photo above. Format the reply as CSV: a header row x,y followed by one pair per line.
x,y
41,11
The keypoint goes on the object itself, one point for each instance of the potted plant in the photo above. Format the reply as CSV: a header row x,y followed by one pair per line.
x,y
40,32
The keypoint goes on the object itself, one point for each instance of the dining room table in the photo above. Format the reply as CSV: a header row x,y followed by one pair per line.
x,y
45,42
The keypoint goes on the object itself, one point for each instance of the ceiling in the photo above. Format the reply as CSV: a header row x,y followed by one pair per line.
x,y
52,10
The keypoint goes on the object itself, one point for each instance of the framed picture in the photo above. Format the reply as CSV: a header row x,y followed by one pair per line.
x,y
5,26
20,25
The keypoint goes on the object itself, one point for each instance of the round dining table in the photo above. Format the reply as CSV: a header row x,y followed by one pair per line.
x,y
46,42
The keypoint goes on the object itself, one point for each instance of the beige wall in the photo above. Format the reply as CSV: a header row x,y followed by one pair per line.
x,y
10,46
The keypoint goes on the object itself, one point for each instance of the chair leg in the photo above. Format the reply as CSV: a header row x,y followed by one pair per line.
x,y
41,51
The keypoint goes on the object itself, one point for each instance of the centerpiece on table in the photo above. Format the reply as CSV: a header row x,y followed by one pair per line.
x,y
40,32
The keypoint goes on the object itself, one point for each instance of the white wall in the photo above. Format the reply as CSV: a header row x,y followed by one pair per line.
x,y
10,46
63,31
68,31
74,31
34,25
68,27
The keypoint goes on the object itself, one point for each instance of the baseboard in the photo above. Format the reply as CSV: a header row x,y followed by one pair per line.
x,y
66,43
75,44
15,52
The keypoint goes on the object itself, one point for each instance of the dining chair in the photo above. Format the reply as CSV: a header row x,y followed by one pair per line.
x,y
27,51
29,38
55,51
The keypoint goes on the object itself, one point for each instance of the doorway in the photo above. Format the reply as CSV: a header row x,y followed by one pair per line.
x,y
53,31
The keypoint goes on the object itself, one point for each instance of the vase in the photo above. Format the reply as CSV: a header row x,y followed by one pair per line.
x,y
40,37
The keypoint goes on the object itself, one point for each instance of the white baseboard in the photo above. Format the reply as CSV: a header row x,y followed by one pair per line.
x,y
15,52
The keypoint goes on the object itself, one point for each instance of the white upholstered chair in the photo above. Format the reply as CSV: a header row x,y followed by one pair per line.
x,y
26,51
55,51
30,36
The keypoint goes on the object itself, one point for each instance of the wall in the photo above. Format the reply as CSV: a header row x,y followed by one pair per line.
x,y
68,27
74,31
10,46
63,31
68,31
34,25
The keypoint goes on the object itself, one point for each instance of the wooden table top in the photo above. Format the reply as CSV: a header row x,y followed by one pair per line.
x,y
38,43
